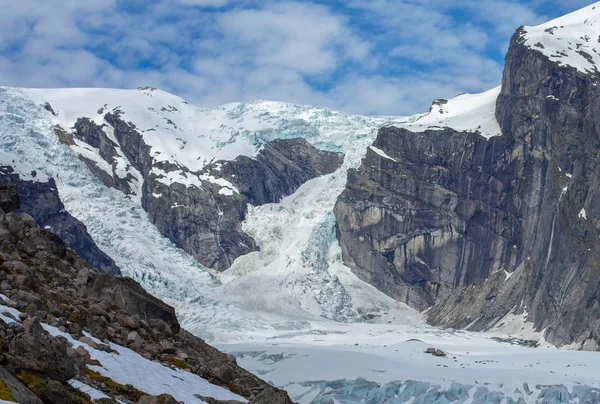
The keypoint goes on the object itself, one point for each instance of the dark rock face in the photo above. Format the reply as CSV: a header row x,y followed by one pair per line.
x,y
17,390
431,219
41,201
454,209
279,169
93,135
48,283
204,221
9,197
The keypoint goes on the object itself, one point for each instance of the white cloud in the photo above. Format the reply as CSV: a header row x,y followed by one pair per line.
x,y
206,3
377,56
301,36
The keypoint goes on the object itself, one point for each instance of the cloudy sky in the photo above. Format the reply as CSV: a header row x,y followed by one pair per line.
x,y
360,56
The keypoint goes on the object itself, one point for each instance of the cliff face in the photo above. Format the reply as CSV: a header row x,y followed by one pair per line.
x,y
201,212
436,211
431,216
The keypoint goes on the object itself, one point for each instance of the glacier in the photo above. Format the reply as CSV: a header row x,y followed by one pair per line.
x,y
291,312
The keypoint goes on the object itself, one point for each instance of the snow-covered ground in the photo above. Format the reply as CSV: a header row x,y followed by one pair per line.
x,y
276,308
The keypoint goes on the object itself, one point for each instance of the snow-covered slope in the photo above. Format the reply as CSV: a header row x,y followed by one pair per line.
x,y
571,40
177,131
298,273
466,112
305,289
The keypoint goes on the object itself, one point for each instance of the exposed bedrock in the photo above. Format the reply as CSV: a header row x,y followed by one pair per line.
x,y
446,210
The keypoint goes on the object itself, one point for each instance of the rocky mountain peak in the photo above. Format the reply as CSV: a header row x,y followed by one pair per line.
x,y
434,216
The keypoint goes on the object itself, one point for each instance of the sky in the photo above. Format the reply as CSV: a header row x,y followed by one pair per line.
x,y
375,57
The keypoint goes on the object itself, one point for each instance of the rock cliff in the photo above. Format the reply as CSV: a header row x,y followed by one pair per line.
x,y
480,228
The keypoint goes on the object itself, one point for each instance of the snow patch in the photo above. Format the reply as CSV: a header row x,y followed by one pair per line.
x,y
176,176
89,390
381,153
129,367
222,182
582,214
92,154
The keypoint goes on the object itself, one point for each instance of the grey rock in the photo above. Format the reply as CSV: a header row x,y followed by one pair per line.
x,y
19,392
54,392
130,297
36,350
9,199
134,337
88,341
455,210
161,399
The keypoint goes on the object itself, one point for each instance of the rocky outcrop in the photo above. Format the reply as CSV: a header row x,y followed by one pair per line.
x,y
279,169
48,283
201,212
446,209
41,201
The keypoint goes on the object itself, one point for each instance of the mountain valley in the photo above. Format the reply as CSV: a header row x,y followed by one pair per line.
x,y
449,256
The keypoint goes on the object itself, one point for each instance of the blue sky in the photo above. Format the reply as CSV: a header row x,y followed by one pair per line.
x,y
361,56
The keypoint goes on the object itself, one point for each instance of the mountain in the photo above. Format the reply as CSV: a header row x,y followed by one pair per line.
x,y
484,228
174,160
296,270
313,245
